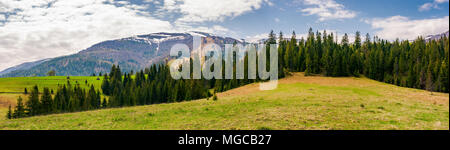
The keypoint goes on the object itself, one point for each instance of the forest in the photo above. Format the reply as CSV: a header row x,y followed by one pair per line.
x,y
417,64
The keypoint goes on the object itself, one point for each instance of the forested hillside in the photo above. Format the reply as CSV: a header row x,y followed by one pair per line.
x,y
418,64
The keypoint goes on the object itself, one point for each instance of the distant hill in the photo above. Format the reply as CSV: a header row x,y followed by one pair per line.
x,y
132,53
23,66
437,36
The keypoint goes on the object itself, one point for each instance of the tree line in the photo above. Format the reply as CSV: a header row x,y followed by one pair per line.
x,y
155,85
415,64
68,98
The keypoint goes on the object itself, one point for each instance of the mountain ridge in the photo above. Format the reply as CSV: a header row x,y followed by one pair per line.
x,y
130,53
436,36
23,66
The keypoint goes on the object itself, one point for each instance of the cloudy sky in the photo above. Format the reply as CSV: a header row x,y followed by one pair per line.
x,y
31,30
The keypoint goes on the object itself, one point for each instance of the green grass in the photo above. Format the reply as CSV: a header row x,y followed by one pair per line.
x,y
12,88
17,84
299,103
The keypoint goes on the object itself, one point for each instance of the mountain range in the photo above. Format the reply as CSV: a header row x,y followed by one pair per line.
x,y
437,36
132,53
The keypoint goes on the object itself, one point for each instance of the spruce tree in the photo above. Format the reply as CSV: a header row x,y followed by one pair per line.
x,y
9,115
91,99
104,103
443,77
46,102
19,111
33,104
357,43
106,85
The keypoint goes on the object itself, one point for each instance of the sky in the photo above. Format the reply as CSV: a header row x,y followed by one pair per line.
x,y
31,30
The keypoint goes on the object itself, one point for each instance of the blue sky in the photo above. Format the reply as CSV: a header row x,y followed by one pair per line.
x,y
36,29
286,16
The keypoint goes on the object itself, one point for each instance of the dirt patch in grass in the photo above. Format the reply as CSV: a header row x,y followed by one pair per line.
x,y
300,77
240,90
10,99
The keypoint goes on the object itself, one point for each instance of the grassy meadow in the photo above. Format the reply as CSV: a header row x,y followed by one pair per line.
x,y
17,84
299,103
12,88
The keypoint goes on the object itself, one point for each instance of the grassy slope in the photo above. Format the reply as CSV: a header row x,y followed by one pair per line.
x,y
18,84
12,88
298,103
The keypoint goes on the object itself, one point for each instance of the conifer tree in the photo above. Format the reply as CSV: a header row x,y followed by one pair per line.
x,y
46,102
104,103
33,104
9,115
106,85
19,111
443,77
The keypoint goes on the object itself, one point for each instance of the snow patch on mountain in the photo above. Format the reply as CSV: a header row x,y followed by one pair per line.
x,y
437,36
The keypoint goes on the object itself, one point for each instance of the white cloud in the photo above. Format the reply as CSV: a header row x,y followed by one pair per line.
x,y
440,1
427,6
277,19
327,10
47,28
434,4
255,38
405,28
210,10
37,31
157,2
